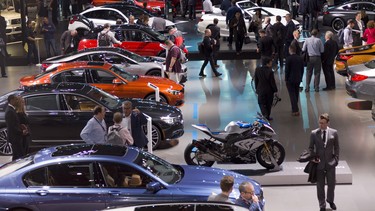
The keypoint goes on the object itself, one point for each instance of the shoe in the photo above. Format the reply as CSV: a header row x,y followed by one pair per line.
x,y
326,89
217,66
295,113
332,205
307,90
4,76
202,75
218,74
322,209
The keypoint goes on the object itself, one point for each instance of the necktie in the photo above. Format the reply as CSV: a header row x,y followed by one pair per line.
x,y
324,137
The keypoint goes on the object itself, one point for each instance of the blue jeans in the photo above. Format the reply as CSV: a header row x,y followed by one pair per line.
x,y
50,43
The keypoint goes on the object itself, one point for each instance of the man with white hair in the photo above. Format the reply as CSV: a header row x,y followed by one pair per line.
x,y
331,48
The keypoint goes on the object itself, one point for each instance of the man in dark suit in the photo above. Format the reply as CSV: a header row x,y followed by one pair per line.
x,y
208,44
215,34
358,29
289,28
293,77
295,42
331,48
14,128
134,120
278,39
266,46
265,86
324,143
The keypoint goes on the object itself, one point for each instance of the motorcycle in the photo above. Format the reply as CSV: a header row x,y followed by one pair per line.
x,y
240,142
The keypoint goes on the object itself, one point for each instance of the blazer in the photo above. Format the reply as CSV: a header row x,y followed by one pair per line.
x,y
289,28
264,81
328,154
331,48
294,69
13,125
298,47
139,137
266,46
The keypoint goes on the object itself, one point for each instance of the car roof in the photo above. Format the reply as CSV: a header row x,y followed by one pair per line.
x,y
57,88
80,64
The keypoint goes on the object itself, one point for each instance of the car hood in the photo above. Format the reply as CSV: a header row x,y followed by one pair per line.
x,y
30,80
151,105
158,81
208,179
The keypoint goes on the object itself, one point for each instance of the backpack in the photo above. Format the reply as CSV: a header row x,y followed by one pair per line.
x,y
183,59
104,39
201,48
114,136
340,35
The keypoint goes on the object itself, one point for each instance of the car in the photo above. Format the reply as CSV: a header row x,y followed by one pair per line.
x,y
93,177
58,112
133,63
112,79
248,14
337,16
13,21
353,56
138,39
155,7
186,206
108,14
360,82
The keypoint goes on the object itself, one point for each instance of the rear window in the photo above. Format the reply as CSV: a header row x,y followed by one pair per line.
x,y
16,165
90,149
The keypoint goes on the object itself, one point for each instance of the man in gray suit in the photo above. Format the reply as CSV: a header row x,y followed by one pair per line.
x,y
324,143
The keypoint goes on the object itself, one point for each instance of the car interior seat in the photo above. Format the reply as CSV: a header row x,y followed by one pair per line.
x,y
135,181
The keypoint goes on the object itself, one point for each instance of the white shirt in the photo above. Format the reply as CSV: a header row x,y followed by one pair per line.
x,y
325,141
207,6
126,123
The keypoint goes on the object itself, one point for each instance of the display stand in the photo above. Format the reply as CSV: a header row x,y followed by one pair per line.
x,y
157,92
149,133
37,48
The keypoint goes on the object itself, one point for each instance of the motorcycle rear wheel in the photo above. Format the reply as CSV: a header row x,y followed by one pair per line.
x,y
277,151
191,158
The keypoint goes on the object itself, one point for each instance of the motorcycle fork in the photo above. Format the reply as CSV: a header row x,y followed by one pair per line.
x,y
273,161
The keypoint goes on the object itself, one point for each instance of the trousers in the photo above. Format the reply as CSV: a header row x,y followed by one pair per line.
x,y
321,176
314,65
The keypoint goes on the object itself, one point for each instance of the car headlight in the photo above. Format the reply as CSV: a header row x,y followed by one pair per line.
x,y
174,92
171,119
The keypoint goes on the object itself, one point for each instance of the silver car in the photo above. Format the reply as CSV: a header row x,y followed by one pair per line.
x,y
131,62
361,82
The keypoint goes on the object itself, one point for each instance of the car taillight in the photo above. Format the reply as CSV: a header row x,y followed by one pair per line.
x,y
345,57
74,18
325,13
44,67
358,77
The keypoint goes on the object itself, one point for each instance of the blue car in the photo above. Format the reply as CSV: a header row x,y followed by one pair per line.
x,y
93,177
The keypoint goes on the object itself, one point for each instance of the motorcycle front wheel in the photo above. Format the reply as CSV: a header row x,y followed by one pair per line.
x,y
263,155
191,157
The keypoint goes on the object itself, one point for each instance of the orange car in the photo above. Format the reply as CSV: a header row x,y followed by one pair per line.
x,y
111,79
353,56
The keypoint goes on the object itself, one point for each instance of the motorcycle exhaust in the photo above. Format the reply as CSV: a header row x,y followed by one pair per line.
x,y
199,145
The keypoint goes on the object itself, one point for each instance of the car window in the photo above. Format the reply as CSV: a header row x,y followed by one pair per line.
x,y
370,64
366,6
76,174
13,166
134,56
133,35
108,100
116,59
113,15
48,102
123,176
79,103
82,58
350,7
120,71
76,76
101,76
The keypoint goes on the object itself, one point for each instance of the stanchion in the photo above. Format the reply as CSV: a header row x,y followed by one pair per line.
x,y
38,49
157,92
149,133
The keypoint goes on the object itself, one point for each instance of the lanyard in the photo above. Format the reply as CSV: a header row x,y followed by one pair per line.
x,y
99,124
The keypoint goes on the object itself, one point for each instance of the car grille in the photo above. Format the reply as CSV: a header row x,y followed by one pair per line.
x,y
15,21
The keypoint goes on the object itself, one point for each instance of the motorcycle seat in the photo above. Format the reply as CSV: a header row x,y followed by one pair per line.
x,y
244,124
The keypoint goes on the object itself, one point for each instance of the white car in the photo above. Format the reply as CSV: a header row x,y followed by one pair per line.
x,y
248,14
102,15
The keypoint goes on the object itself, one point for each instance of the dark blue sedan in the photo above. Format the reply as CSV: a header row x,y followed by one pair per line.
x,y
92,177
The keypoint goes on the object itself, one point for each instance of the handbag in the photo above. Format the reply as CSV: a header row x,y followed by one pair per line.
x,y
252,26
247,40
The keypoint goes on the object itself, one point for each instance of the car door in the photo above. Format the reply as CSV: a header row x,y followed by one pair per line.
x,y
126,185
140,42
65,186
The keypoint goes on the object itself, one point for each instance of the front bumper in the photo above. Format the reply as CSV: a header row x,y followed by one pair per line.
x,y
173,131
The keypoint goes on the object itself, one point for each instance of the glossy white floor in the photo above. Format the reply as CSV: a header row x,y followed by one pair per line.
x,y
217,101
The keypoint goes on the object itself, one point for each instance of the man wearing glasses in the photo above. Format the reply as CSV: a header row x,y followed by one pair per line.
x,y
133,120
247,197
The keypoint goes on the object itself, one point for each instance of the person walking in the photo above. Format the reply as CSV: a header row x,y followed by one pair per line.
x,y
3,35
266,46
293,77
106,37
14,130
231,15
134,120
247,197
257,23
69,41
226,186
239,31
313,10
173,64
48,29
265,86
358,29
208,45
215,34
176,37
224,6
303,10
324,144
159,24
31,43
278,38
95,131
314,47
331,48
348,34
126,137
290,27
369,34
24,123
191,4
295,42
268,28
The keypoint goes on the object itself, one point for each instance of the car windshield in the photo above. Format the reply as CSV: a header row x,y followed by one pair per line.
x,y
155,34
246,4
110,101
4,98
134,56
159,167
370,64
120,71
15,165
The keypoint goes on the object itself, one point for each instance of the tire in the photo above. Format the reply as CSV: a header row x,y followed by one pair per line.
x,y
5,146
154,72
190,157
153,97
338,24
156,136
278,152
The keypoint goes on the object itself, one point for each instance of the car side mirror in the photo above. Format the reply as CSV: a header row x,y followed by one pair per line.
x,y
117,81
153,187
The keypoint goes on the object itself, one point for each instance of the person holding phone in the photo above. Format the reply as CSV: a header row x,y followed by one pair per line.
x,y
133,120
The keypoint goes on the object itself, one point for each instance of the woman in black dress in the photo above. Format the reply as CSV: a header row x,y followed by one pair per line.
x,y
24,121
239,30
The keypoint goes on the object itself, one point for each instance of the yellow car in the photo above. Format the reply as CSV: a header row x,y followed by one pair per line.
x,y
353,56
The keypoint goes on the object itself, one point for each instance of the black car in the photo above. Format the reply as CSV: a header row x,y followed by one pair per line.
x,y
130,9
54,122
337,16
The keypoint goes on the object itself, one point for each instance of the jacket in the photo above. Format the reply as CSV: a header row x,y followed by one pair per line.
x,y
331,48
264,81
369,35
139,137
294,69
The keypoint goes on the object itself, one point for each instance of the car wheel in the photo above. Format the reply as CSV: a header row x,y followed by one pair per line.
x,y
5,146
156,136
153,97
338,24
154,72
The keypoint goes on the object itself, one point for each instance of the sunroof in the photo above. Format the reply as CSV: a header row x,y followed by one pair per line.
x,y
90,149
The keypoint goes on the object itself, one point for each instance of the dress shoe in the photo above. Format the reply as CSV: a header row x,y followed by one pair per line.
x,y
4,76
218,74
332,205
295,113
202,75
322,209
326,89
